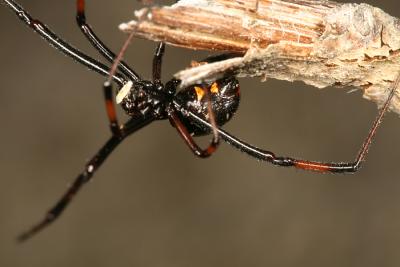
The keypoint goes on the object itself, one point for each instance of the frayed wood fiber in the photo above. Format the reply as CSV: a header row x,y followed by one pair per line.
x,y
321,43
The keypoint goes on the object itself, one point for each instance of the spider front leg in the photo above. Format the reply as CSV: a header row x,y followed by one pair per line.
x,y
134,124
173,117
216,102
268,156
98,44
115,127
61,45
187,137
157,62
119,133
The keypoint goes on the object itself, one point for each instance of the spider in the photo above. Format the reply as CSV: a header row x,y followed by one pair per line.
x,y
193,111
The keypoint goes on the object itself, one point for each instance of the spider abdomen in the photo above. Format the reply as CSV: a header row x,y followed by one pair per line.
x,y
224,97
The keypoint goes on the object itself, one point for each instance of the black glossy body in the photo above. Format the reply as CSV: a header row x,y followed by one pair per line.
x,y
224,103
195,110
150,97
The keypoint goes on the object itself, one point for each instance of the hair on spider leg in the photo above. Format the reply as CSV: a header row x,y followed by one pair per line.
x,y
189,110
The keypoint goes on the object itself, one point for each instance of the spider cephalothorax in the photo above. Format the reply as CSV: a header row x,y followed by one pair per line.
x,y
146,97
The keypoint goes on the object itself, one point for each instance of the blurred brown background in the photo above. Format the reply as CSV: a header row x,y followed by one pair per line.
x,y
153,203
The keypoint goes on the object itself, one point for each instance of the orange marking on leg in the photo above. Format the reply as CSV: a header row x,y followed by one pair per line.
x,y
111,111
81,6
211,149
311,166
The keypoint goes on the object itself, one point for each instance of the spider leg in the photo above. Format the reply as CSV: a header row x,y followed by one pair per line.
x,y
174,119
98,44
184,133
115,127
177,123
157,62
119,133
335,167
91,167
60,44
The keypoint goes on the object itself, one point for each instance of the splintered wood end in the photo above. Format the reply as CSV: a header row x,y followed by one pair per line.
x,y
321,43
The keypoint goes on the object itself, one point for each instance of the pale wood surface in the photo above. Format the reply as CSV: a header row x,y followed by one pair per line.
x,y
321,43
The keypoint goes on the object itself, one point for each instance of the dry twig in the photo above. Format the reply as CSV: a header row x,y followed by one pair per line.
x,y
322,43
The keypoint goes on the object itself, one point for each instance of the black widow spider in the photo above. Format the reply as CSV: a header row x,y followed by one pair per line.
x,y
188,110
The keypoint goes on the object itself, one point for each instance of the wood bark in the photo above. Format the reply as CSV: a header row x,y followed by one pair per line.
x,y
321,43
